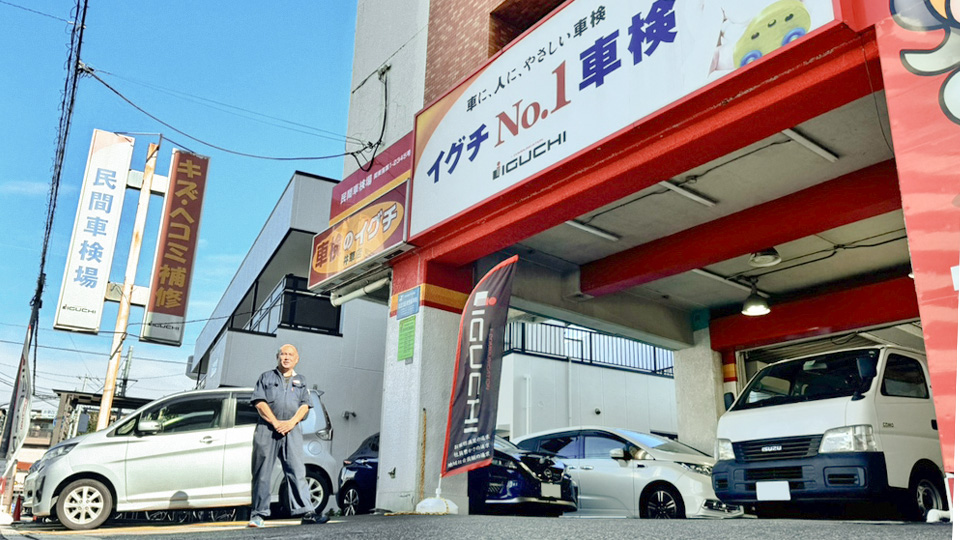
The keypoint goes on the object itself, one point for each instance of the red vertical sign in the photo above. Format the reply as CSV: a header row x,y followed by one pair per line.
x,y
920,62
176,249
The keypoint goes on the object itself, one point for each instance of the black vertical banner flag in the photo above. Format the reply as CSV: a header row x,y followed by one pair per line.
x,y
476,380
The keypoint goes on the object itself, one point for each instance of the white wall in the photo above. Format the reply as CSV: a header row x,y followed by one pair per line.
x,y
348,369
625,399
393,33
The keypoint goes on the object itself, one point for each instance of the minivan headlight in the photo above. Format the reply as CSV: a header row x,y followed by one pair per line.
x,y
723,450
849,439
52,454
705,470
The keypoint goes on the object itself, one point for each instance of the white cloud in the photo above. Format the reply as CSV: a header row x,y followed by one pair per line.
x,y
25,188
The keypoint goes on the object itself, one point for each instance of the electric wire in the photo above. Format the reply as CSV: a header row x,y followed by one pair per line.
x,y
101,353
37,12
63,134
87,70
223,107
383,127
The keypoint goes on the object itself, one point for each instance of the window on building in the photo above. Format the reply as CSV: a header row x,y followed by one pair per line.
x,y
513,17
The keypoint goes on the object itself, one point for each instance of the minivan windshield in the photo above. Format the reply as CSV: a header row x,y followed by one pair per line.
x,y
812,378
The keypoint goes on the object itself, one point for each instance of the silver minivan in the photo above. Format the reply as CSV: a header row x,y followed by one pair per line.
x,y
185,451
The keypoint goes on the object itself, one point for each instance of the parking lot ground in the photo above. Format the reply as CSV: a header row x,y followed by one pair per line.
x,y
412,527
144,529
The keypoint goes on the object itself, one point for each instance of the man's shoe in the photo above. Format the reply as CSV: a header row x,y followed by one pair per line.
x,y
312,518
256,521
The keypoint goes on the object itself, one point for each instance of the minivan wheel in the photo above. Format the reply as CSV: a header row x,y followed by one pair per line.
x,y
926,493
319,488
85,504
350,502
662,502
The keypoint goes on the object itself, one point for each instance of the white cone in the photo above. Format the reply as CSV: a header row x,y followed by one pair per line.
x,y
437,505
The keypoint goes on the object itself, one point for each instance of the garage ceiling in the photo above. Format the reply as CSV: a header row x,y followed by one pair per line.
x,y
857,133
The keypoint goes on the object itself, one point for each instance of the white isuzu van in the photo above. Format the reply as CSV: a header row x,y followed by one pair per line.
x,y
851,425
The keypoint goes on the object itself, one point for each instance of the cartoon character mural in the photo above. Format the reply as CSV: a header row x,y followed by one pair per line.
x,y
777,25
926,16
752,29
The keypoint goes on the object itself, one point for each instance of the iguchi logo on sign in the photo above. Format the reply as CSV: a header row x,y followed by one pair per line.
x,y
357,237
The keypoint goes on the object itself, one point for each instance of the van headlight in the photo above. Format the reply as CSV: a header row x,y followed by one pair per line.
x,y
849,439
723,450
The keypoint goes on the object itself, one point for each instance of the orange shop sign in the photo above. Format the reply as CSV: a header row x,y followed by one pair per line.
x,y
369,232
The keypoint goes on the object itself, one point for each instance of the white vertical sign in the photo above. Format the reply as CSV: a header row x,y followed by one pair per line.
x,y
94,233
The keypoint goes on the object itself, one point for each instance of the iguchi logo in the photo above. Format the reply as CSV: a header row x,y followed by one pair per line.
x,y
925,16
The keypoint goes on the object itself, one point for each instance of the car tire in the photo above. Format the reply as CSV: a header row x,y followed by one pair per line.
x,y
84,504
925,493
319,488
350,501
662,501
317,485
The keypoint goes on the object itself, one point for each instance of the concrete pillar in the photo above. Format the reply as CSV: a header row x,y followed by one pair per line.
x,y
411,451
699,386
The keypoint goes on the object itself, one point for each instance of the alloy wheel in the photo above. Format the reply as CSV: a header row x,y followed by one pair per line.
x,y
83,505
661,505
351,502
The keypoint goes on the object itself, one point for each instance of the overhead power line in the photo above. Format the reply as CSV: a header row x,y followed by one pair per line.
x,y
98,353
90,71
37,12
235,110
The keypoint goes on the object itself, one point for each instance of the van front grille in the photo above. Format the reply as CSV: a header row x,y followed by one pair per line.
x,y
782,448
777,473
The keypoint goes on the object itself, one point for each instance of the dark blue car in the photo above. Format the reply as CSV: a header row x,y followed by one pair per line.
x,y
517,482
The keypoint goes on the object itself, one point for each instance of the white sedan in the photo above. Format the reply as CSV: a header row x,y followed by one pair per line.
x,y
628,473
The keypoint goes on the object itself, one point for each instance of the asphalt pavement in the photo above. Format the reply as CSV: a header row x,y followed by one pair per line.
x,y
412,527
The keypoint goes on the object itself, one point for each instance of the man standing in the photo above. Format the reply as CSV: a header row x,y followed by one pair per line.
x,y
281,393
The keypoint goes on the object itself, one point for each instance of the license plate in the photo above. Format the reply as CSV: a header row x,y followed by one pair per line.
x,y
550,490
773,491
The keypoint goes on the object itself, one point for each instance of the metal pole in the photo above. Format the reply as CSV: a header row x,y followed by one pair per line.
x,y
133,258
126,371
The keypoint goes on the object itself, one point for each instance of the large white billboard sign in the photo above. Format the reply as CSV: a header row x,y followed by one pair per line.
x,y
589,71
94,233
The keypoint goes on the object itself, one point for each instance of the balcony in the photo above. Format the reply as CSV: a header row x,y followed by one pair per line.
x,y
290,305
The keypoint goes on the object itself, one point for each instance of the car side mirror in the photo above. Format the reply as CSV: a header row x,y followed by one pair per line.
x,y
867,371
617,453
149,427
728,400
866,368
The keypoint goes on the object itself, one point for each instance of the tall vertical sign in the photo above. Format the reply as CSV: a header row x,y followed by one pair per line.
x,y
80,307
17,424
920,58
166,311
472,417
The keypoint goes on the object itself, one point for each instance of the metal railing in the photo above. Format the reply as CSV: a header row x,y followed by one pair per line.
x,y
587,347
290,305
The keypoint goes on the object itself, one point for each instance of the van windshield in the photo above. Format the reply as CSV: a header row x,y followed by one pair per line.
x,y
813,378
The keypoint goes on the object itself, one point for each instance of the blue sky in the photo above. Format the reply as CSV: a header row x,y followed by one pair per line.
x,y
257,77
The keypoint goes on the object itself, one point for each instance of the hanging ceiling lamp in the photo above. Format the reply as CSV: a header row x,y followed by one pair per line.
x,y
755,305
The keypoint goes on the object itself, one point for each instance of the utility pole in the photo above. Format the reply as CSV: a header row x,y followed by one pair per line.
x,y
133,259
126,372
